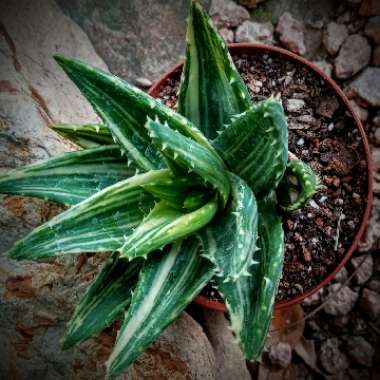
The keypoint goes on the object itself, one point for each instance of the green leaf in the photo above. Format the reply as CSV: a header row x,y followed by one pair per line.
x,y
250,299
99,223
164,225
108,296
124,110
71,177
255,146
85,135
297,186
229,242
190,155
211,88
168,283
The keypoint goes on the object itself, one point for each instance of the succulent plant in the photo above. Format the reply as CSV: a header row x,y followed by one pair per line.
x,y
176,199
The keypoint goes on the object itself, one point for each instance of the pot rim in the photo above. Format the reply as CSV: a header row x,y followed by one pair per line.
x,y
247,48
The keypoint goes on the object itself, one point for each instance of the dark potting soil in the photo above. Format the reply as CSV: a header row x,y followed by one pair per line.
x,y
322,134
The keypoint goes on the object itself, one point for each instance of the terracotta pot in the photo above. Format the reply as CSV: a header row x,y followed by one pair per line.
x,y
250,48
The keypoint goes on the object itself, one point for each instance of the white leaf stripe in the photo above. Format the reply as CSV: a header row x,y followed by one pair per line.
x,y
164,225
106,297
230,240
106,217
70,177
255,146
191,156
167,284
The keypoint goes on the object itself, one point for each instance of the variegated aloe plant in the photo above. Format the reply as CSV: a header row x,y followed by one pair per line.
x,y
175,198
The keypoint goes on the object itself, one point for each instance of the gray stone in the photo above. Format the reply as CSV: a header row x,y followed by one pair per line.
x,y
314,13
370,303
364,267
314,299
331,357
295,105
360,351
227,13
325,66
227,34
334,36
372,29
135,38
353,56
342,302
361,112
341,276
377,136
291,33
374,285
280,354
367,86
372,235
255,32
376,56
230,362
376,120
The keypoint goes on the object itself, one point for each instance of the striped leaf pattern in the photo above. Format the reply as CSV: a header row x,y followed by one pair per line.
x,y
211,88
108,296
255,146
298,185
229,242
168,283
191,156
124,110
100,223
85,135
164,225
250,299
71,177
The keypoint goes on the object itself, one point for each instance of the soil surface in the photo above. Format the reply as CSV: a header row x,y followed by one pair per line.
x,y
322,134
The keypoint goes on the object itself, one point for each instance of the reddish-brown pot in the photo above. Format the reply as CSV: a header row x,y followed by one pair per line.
x,y
250,48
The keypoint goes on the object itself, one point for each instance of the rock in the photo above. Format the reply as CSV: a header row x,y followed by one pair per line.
x,y
376,120
341,276
227,13
369,8
331,358
314,299
364,266
376,56
342,302
143,82
280,354
360,351
230,362
227,34
367,86
291,33
361,112
135,38
377,136
334,36
325,66
251,31
250,3
369,302
353,56
372,29
327,107
372,235
295,105
374,285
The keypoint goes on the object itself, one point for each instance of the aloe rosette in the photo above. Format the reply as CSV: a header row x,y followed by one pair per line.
x,y
176,199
